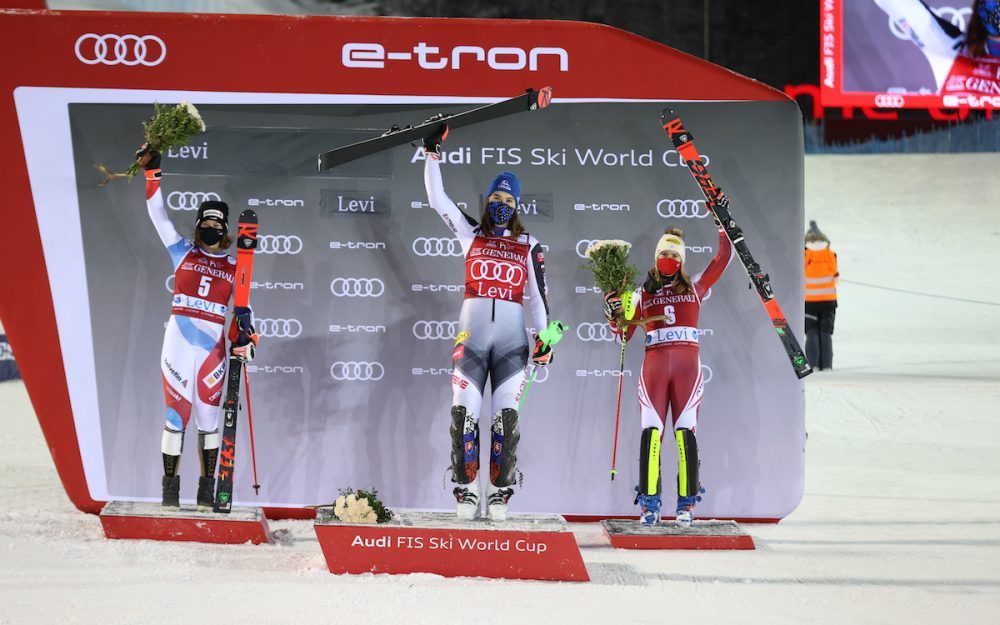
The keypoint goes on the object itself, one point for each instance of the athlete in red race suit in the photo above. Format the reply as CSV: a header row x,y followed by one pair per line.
x,y
671,377
504,276
193,360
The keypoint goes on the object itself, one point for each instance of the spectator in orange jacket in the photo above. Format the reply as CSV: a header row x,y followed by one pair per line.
x,y
821,298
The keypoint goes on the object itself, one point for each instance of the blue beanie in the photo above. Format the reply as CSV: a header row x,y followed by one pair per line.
x,y
508,183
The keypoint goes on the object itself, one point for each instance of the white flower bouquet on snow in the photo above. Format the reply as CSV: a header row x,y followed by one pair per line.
x,y
362,506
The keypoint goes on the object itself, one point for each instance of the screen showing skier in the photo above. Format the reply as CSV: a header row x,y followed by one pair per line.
x,y
894,54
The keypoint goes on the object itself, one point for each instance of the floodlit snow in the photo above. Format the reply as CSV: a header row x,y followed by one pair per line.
x,y
901,517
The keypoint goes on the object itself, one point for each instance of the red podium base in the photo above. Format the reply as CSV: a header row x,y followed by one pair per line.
x,y
522,547
630,534
137,520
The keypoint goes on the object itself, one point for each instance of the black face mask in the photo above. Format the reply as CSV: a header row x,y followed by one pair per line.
x,y
211,236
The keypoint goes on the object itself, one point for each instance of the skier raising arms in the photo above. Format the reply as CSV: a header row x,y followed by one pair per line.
x,y
670,302
193,360
503,266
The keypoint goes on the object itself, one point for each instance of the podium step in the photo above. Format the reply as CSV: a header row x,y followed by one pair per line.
x,y
540,547
149,521
630,534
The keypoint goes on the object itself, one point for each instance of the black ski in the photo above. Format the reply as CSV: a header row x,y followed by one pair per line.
x,y
530,101
718,203
246,243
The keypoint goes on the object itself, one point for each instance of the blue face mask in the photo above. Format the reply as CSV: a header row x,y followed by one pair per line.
x,y
989,13
500,212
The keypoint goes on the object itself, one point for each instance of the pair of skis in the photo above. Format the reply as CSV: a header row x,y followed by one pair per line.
x,y
246,243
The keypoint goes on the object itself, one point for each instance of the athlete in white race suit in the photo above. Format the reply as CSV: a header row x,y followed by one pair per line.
x,y
504,266
193,359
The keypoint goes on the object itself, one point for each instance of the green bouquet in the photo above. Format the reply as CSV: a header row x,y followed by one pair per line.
x,y
608,261
169,127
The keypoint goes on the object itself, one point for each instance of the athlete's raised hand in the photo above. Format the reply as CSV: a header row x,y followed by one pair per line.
x,y
147,157
432,144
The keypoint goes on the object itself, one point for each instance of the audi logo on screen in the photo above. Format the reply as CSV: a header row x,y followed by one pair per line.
x,y
278,328
435,330
889,101
681,209
589,332
355,371
190,200
958,17
498,271
279,244
357,287
437,246
112,49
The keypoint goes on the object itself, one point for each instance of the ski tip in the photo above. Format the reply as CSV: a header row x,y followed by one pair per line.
x,y
668,114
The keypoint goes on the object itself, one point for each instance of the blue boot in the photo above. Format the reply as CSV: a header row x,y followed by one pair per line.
x,y
685,507
649,508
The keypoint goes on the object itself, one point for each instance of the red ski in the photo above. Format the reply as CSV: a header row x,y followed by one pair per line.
x,y
246,243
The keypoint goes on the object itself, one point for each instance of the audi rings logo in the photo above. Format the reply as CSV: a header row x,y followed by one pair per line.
x,y
279,244
588,332
494,270
889,101
437,246
111,49
693,209
189,200
357,371
706,374
582,245
541,375
357,287
278,328
958,17
435,330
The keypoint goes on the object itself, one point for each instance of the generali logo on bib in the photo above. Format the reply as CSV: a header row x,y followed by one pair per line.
x,y
503,58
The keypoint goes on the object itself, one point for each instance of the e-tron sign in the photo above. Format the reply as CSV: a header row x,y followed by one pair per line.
x,y
374,56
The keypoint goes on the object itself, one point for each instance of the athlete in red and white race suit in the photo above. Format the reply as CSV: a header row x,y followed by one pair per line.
x,y
193,359
504,266
966,65
671,377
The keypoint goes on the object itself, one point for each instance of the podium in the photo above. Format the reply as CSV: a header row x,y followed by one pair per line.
x,y
630,534
149,521
540,547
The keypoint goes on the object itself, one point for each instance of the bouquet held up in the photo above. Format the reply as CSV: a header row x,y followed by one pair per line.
x,y
169,127
608,261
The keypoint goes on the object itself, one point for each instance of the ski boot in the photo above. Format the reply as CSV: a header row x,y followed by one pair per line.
x,y
685,507
496,502
171,492
467,496
206,494
649,507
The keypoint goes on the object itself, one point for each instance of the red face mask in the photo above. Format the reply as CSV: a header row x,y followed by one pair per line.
x,y
668,266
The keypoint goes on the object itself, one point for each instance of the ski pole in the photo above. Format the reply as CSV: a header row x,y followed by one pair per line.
x,y
551,335
253,452
618,410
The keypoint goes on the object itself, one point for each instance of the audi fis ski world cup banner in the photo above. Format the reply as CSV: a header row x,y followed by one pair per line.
x,y
357,281
894,54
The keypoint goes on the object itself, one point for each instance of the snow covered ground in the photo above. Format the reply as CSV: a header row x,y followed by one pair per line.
x,y
900,522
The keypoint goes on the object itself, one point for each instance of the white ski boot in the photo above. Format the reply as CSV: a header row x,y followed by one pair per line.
x,y
496,502
467,496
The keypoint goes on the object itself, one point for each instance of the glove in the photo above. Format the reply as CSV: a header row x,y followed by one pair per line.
x,y
147,157
247,352
612,307
432,144
542,354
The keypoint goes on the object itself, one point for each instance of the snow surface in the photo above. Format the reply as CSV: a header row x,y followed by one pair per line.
x,y
901,517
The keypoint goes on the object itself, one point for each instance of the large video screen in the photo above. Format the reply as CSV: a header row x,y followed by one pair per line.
x,y
910,53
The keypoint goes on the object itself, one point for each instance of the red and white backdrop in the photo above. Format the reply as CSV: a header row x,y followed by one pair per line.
x,y
358,285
